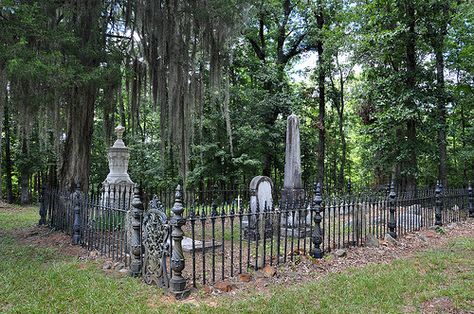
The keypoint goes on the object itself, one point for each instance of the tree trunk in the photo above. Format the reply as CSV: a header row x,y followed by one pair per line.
x,y
76,159
342,135
8,158
463,143
25,176
441,113
322,98
410,88
76,162
3,99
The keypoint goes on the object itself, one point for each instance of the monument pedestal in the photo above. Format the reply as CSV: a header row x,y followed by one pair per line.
x,y
252,233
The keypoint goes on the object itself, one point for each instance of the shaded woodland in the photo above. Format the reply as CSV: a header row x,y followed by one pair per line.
x,y
383,89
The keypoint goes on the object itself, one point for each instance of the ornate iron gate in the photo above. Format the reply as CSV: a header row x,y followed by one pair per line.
x,y
156,233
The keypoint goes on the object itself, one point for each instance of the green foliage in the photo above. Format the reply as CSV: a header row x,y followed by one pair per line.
x,y
365,61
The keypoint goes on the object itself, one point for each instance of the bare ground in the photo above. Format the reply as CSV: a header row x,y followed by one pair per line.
x,y
302,269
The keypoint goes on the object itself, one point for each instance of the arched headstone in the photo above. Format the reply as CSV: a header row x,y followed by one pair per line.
x,y
261,195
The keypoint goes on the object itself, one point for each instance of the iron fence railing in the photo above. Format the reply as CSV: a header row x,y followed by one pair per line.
x,y
102,218
224,236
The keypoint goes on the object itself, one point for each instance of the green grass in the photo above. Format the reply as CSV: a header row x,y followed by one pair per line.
x,y
38,280
18,217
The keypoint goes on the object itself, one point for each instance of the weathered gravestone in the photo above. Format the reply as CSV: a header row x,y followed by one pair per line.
x,y
261,190
295,218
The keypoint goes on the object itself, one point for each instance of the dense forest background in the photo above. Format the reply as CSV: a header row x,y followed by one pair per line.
x,y
383,89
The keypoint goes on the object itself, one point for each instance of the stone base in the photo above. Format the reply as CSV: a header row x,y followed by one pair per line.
x,y
296,232
181,295
199,246
253,234
317,253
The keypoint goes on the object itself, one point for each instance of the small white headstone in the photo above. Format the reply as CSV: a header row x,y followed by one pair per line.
x,y
261,190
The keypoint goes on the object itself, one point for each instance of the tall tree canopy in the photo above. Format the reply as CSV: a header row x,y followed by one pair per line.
x,y
204,87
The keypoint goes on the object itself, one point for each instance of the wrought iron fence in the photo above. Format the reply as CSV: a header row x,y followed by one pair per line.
x,y
96,220
207,238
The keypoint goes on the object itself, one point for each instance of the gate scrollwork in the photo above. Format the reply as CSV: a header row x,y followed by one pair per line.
x,y
156,237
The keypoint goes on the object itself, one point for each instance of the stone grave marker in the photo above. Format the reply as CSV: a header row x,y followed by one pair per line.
x,y
261,192
293,224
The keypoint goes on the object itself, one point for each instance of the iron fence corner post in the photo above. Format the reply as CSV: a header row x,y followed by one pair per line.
x,y
470,200
136,213
42,209
439,205
76,227
177,282
392,224
317,234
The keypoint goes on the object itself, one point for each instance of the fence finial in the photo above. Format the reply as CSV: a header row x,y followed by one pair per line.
x,y
317,234
76,227
135,243
471,200
392,224
439,205
178,282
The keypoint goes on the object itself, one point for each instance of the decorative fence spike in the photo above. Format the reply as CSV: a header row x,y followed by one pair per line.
x,y
177,282
439,205
135,240
76,227
317,234
471,200
392,224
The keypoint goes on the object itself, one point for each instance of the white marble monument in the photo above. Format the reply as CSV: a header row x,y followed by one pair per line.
x,y
118,186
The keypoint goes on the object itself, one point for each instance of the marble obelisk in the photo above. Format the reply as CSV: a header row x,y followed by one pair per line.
x,y
293,192
292,178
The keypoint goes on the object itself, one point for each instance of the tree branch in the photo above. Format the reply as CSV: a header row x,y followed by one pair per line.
x,y
258,51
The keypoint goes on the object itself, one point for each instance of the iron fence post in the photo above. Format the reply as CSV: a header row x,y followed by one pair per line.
x,y
317,234
42,209
135,240
392,224
470,200
439,205
76,227
177,282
